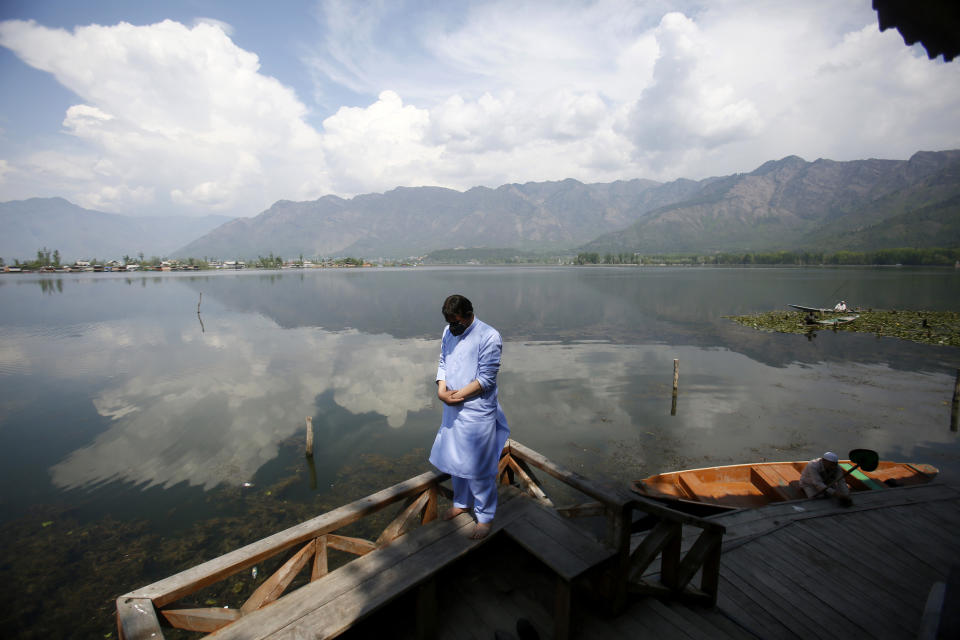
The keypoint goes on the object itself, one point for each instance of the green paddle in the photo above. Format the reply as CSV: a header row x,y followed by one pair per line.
x,y
865,459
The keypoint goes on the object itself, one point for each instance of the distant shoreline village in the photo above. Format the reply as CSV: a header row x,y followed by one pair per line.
x,y
117,266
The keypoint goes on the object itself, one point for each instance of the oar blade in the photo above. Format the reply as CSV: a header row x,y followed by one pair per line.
x,y
867,459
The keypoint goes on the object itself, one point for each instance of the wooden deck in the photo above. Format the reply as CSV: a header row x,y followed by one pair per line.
x,y
806,569
825,571
810,568
329,607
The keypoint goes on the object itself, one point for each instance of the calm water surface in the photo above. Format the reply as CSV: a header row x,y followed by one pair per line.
x,y
119,405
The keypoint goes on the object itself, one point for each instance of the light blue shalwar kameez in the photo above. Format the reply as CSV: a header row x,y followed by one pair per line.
x,y
472,434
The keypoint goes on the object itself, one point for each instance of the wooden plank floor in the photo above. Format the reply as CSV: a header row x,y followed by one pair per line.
x,y
806,569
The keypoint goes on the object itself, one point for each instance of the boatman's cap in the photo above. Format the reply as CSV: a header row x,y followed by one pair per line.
x,y
831,456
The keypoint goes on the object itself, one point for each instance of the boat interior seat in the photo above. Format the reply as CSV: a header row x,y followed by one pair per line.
x,y
725,492
773,485
694,487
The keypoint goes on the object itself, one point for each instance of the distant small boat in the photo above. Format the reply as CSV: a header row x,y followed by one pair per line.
x,y
813,309
818,309
758,484
830,320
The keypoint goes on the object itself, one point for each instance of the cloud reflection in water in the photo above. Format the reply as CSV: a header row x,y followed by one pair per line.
x,y
249,387
244,390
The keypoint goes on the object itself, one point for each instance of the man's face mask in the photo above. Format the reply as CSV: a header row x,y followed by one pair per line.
x,y
456,328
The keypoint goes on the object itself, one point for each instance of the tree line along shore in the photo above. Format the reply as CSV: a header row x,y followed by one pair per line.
x,y
902,256
47,261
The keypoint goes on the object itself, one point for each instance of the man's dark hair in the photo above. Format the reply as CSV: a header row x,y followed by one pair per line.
x,y
457,305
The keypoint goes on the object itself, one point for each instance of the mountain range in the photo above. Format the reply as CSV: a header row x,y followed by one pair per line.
x,y
77,233
785,204
823,205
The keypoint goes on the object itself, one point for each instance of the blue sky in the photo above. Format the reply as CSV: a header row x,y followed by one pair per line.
x,y
194,107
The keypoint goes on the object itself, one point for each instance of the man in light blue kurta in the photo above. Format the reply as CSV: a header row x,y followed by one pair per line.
x,y
473,430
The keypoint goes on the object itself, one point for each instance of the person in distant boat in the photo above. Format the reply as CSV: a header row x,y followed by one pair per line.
x,y
810,318
823,478
840,306
473,429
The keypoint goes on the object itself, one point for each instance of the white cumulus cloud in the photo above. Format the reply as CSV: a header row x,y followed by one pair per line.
x,y
171,117
178,111
687,108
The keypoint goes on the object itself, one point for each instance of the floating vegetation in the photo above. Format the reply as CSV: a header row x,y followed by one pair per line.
x,y
929,327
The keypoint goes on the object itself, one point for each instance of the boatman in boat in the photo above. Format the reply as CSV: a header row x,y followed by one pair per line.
x,y
822,477
473,429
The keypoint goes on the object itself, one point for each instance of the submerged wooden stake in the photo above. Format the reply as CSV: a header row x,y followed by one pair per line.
x,y
202,330
955,408
676,383
309,436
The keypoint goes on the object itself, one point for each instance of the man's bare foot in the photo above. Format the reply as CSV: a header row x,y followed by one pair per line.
x,y
452,513
483,528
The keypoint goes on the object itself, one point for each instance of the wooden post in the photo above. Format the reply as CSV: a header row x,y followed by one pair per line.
x,y
430,513
670,560
320,567
710,573
137,619
676,384
619,519
310,436
202,330
563,601
504,471
427,610
955,407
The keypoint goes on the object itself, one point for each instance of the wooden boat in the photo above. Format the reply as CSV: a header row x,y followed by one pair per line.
x,y
838,320
758,484
820,310
812,309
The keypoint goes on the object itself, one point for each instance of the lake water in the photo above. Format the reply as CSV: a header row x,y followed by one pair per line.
x,y
123,413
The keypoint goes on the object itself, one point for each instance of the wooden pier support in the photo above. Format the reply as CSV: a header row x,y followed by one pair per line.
x,y
310,436
427,610
676,385
955,407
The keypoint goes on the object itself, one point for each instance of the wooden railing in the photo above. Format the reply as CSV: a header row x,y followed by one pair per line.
x,y
141,612
663,541
137,611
